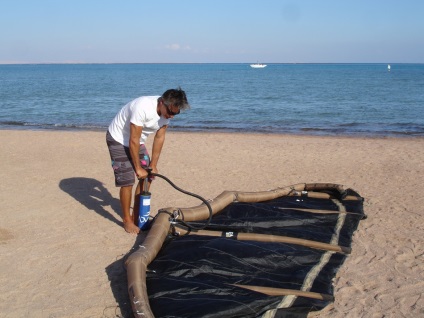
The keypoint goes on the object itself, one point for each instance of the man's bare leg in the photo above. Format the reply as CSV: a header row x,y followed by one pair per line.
x,y
125,195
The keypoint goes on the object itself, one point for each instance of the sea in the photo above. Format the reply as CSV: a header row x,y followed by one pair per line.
x,y
370,100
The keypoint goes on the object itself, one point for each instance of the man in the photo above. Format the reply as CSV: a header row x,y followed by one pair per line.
x,y
126,138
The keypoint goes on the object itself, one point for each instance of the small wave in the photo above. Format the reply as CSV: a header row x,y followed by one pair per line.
x,y
350,125
48,126
348,129
12,123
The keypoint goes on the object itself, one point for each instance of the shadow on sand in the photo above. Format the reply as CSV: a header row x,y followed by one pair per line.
x,y
93,195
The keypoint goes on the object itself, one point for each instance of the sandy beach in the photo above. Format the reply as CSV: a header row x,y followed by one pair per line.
x,y
62,243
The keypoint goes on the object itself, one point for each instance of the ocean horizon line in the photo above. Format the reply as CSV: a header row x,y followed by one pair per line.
x,y
209,63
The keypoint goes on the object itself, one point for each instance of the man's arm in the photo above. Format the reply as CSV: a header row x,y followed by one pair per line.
x,y
157,147
135,134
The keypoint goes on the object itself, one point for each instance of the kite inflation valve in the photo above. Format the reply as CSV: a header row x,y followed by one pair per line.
x,y
144,210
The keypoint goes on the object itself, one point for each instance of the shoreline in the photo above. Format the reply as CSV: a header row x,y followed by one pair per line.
x,y
63,245
221,131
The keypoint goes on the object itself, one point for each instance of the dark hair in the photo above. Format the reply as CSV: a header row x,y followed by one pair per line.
x,y
176,97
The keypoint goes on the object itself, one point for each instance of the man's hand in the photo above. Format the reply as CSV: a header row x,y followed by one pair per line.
x,y
154,169
141,173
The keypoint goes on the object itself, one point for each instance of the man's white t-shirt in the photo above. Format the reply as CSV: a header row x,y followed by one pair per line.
x,y
142,112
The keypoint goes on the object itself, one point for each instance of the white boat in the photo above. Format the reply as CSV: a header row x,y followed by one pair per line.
x,y
258,65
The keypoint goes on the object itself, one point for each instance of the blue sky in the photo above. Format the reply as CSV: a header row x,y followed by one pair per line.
x,y
211,31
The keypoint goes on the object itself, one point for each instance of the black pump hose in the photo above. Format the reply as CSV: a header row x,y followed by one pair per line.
x,y
188,193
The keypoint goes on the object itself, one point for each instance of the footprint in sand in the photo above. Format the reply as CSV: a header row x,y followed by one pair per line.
x,y
5,235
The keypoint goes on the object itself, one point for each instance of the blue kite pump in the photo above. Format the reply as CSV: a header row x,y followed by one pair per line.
x,y
144,213
144,210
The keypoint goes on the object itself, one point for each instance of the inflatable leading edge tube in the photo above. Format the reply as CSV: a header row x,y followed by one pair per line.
x,y
137,264
165,220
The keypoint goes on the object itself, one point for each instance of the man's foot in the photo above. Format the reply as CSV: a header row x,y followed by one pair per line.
x,y
130,227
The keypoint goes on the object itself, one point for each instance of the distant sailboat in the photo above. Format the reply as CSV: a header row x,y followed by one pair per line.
x,y
388,67
258,65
